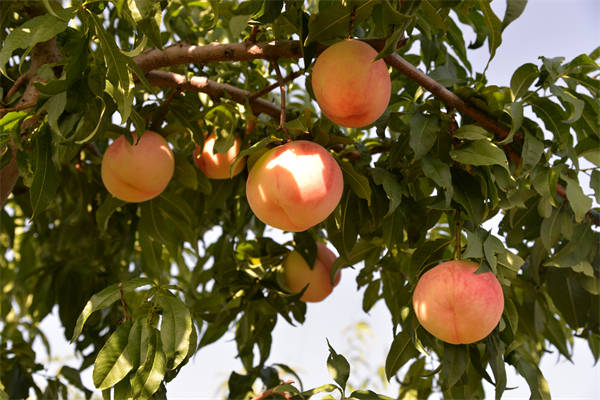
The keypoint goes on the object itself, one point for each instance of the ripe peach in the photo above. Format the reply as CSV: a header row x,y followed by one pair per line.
x,y
298,274
351,89
137,172
457,305
294,186
217,165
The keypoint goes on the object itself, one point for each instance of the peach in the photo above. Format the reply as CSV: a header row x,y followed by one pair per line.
x,y
137,172
456,305
294,186
298,274
350,88
218,165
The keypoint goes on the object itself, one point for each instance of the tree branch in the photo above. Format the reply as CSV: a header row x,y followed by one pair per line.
x,y
282,90
213,89
42,53
181,53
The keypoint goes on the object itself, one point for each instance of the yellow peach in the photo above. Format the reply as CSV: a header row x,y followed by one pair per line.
x,y
294,186
298,274
455,304
350,88
137,172
218,165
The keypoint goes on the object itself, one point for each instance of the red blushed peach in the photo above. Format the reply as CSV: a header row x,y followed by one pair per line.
x,y
137,172
351,89
298,274
294,186
456,305
218,165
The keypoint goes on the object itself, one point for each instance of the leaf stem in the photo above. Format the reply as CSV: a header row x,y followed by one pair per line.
x,y
127,317
282,89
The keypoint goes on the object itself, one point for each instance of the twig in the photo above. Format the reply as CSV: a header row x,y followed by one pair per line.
x,y
17,108
253,33
267,89
351,23
18,83
127,317
269,392
213,89
160,113
282,89
458,232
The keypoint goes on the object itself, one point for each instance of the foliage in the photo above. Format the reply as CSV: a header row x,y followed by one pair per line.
x,y
140,288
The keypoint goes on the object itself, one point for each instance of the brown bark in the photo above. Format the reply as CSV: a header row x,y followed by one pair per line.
x,y
213,89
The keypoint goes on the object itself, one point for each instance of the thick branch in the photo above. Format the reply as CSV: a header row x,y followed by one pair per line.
x,y
181,53
449,98
213,89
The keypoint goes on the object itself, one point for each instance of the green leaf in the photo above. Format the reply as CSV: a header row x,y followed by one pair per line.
x,y
480,152
522,79
579,202
532,374
393,189
514,8
494,26
357,181
401,351
55,107
472,132
552,115
334,21
147,379
106,210
36,30
368,395
105,298
454,364
475,241
491,247
119,83
569,98
338,367
515,110
45,178
304,243
238,23
550,230
495,350
114,361
595,183
423,133
533,148
329,387
439,172
175,329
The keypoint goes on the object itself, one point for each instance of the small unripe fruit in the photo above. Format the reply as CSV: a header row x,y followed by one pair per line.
x,y
351,89
298,274
218,165
294,186
137,172
456,305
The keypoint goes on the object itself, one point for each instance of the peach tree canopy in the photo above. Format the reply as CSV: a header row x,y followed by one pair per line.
x,y
138,289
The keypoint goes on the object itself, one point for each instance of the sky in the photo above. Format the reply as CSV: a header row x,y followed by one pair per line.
x,y
547,28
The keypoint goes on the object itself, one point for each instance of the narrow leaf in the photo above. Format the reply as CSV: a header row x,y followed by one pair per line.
x,y
104,299
114,360
45,178
175,329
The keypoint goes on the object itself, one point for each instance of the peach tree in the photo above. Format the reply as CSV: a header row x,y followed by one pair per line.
x,y
138,287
